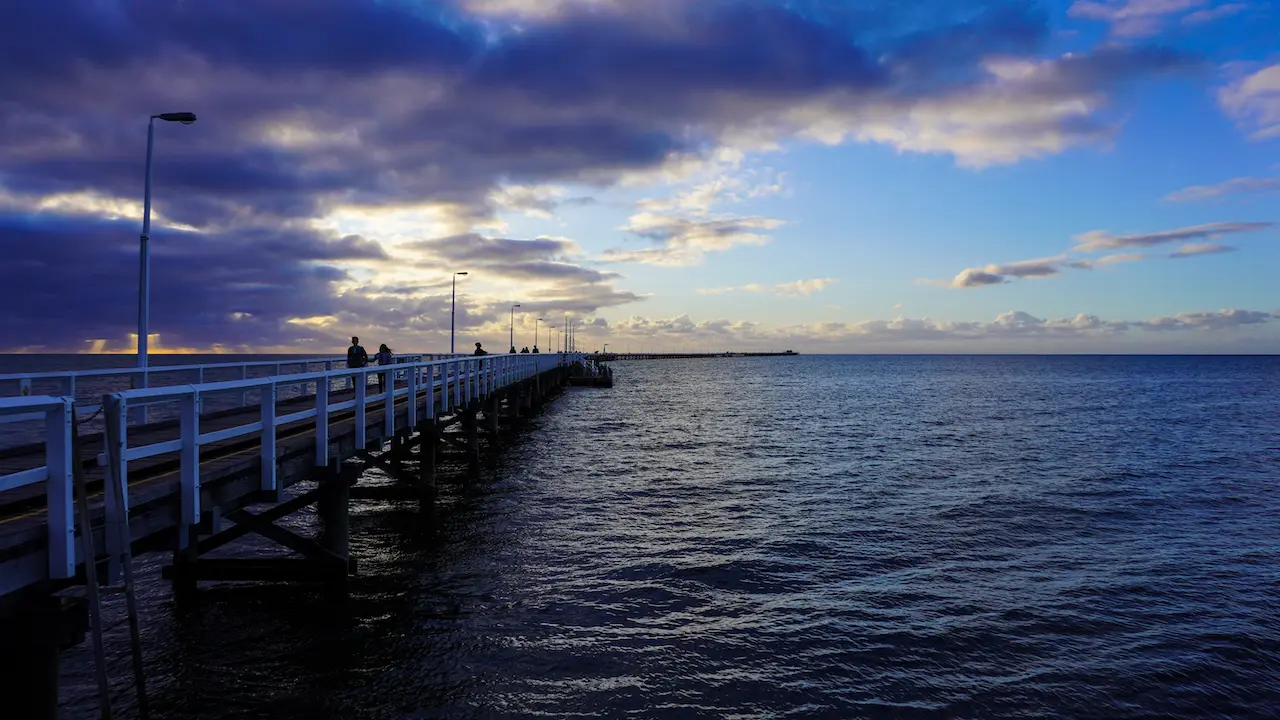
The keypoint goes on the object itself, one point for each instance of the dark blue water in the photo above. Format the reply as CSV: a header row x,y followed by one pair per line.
x,y
905,537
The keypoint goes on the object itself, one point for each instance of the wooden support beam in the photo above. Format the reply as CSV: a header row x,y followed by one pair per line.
x,y
239,530
307,547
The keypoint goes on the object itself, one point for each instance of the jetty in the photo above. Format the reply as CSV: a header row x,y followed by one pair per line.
x,y
683,356
186,468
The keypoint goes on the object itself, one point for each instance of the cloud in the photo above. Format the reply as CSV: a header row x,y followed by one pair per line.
x,y
1139,18
1200,17
1234,186
540,201
343,118
558,283
684,241
1253,101
1194,249
1096,240
473,247
799,288
1223,319
997,274
1015,330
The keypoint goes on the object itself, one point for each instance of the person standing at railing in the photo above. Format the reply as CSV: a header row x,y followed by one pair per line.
x,y
384,357
356,356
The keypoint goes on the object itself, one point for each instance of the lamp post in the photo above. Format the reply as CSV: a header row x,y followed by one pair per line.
x,y
144,259
535,332
453,302
511,329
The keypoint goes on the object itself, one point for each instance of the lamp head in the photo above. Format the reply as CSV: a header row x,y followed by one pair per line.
x,y
461,273
185,118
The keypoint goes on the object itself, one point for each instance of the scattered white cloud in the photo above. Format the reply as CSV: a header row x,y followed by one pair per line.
x,y
1253,101
684,241
1000,273
1200,17
1141,18
540,201
1234,186
799,288
1096,240
1194,249
1099,241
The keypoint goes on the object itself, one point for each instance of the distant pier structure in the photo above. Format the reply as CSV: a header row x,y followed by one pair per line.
x,y
675,356
188,468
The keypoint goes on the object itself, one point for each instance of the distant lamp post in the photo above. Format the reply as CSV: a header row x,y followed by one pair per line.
x,y
535,332
144,261
453,303
511,329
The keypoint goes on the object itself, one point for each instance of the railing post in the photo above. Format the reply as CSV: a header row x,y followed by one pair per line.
x,y
413,396
269,439
456,381
362,384
431,392
389,415
322,422
244,394
58,461
116,511
189,469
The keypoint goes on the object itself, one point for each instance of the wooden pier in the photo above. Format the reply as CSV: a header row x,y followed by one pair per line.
x,y
171,486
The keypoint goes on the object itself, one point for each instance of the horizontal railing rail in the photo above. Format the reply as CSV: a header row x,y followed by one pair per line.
x,y
56,473
72,383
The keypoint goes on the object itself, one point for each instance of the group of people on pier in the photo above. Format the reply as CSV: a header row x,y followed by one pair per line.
x,y
357,357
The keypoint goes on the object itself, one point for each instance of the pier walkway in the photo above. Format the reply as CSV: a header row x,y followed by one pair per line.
x,y
212,450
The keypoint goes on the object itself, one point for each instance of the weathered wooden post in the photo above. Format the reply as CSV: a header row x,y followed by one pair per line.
x,y
428,437
471,424
333,505
492,414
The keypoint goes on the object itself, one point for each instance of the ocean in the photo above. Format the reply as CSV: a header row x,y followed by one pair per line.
x,y
814,536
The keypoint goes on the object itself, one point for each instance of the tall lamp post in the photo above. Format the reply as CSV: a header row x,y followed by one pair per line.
x,y
511,329
453,302
144,260
535,332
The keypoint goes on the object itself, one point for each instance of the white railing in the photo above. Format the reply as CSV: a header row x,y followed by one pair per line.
x,y
459,380
56,473
68,382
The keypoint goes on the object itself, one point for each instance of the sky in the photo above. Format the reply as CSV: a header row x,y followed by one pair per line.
x,y
858,176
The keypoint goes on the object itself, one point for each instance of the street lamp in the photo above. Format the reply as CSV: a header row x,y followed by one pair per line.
x,y
511,329
453,301
535,332
144,260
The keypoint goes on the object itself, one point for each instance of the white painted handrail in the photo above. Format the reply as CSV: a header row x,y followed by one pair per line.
x,y
21,384
460,380
56,473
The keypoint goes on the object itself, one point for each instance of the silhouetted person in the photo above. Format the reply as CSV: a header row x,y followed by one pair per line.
x,y
535,348
384,357
479,351
524,351
356,356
